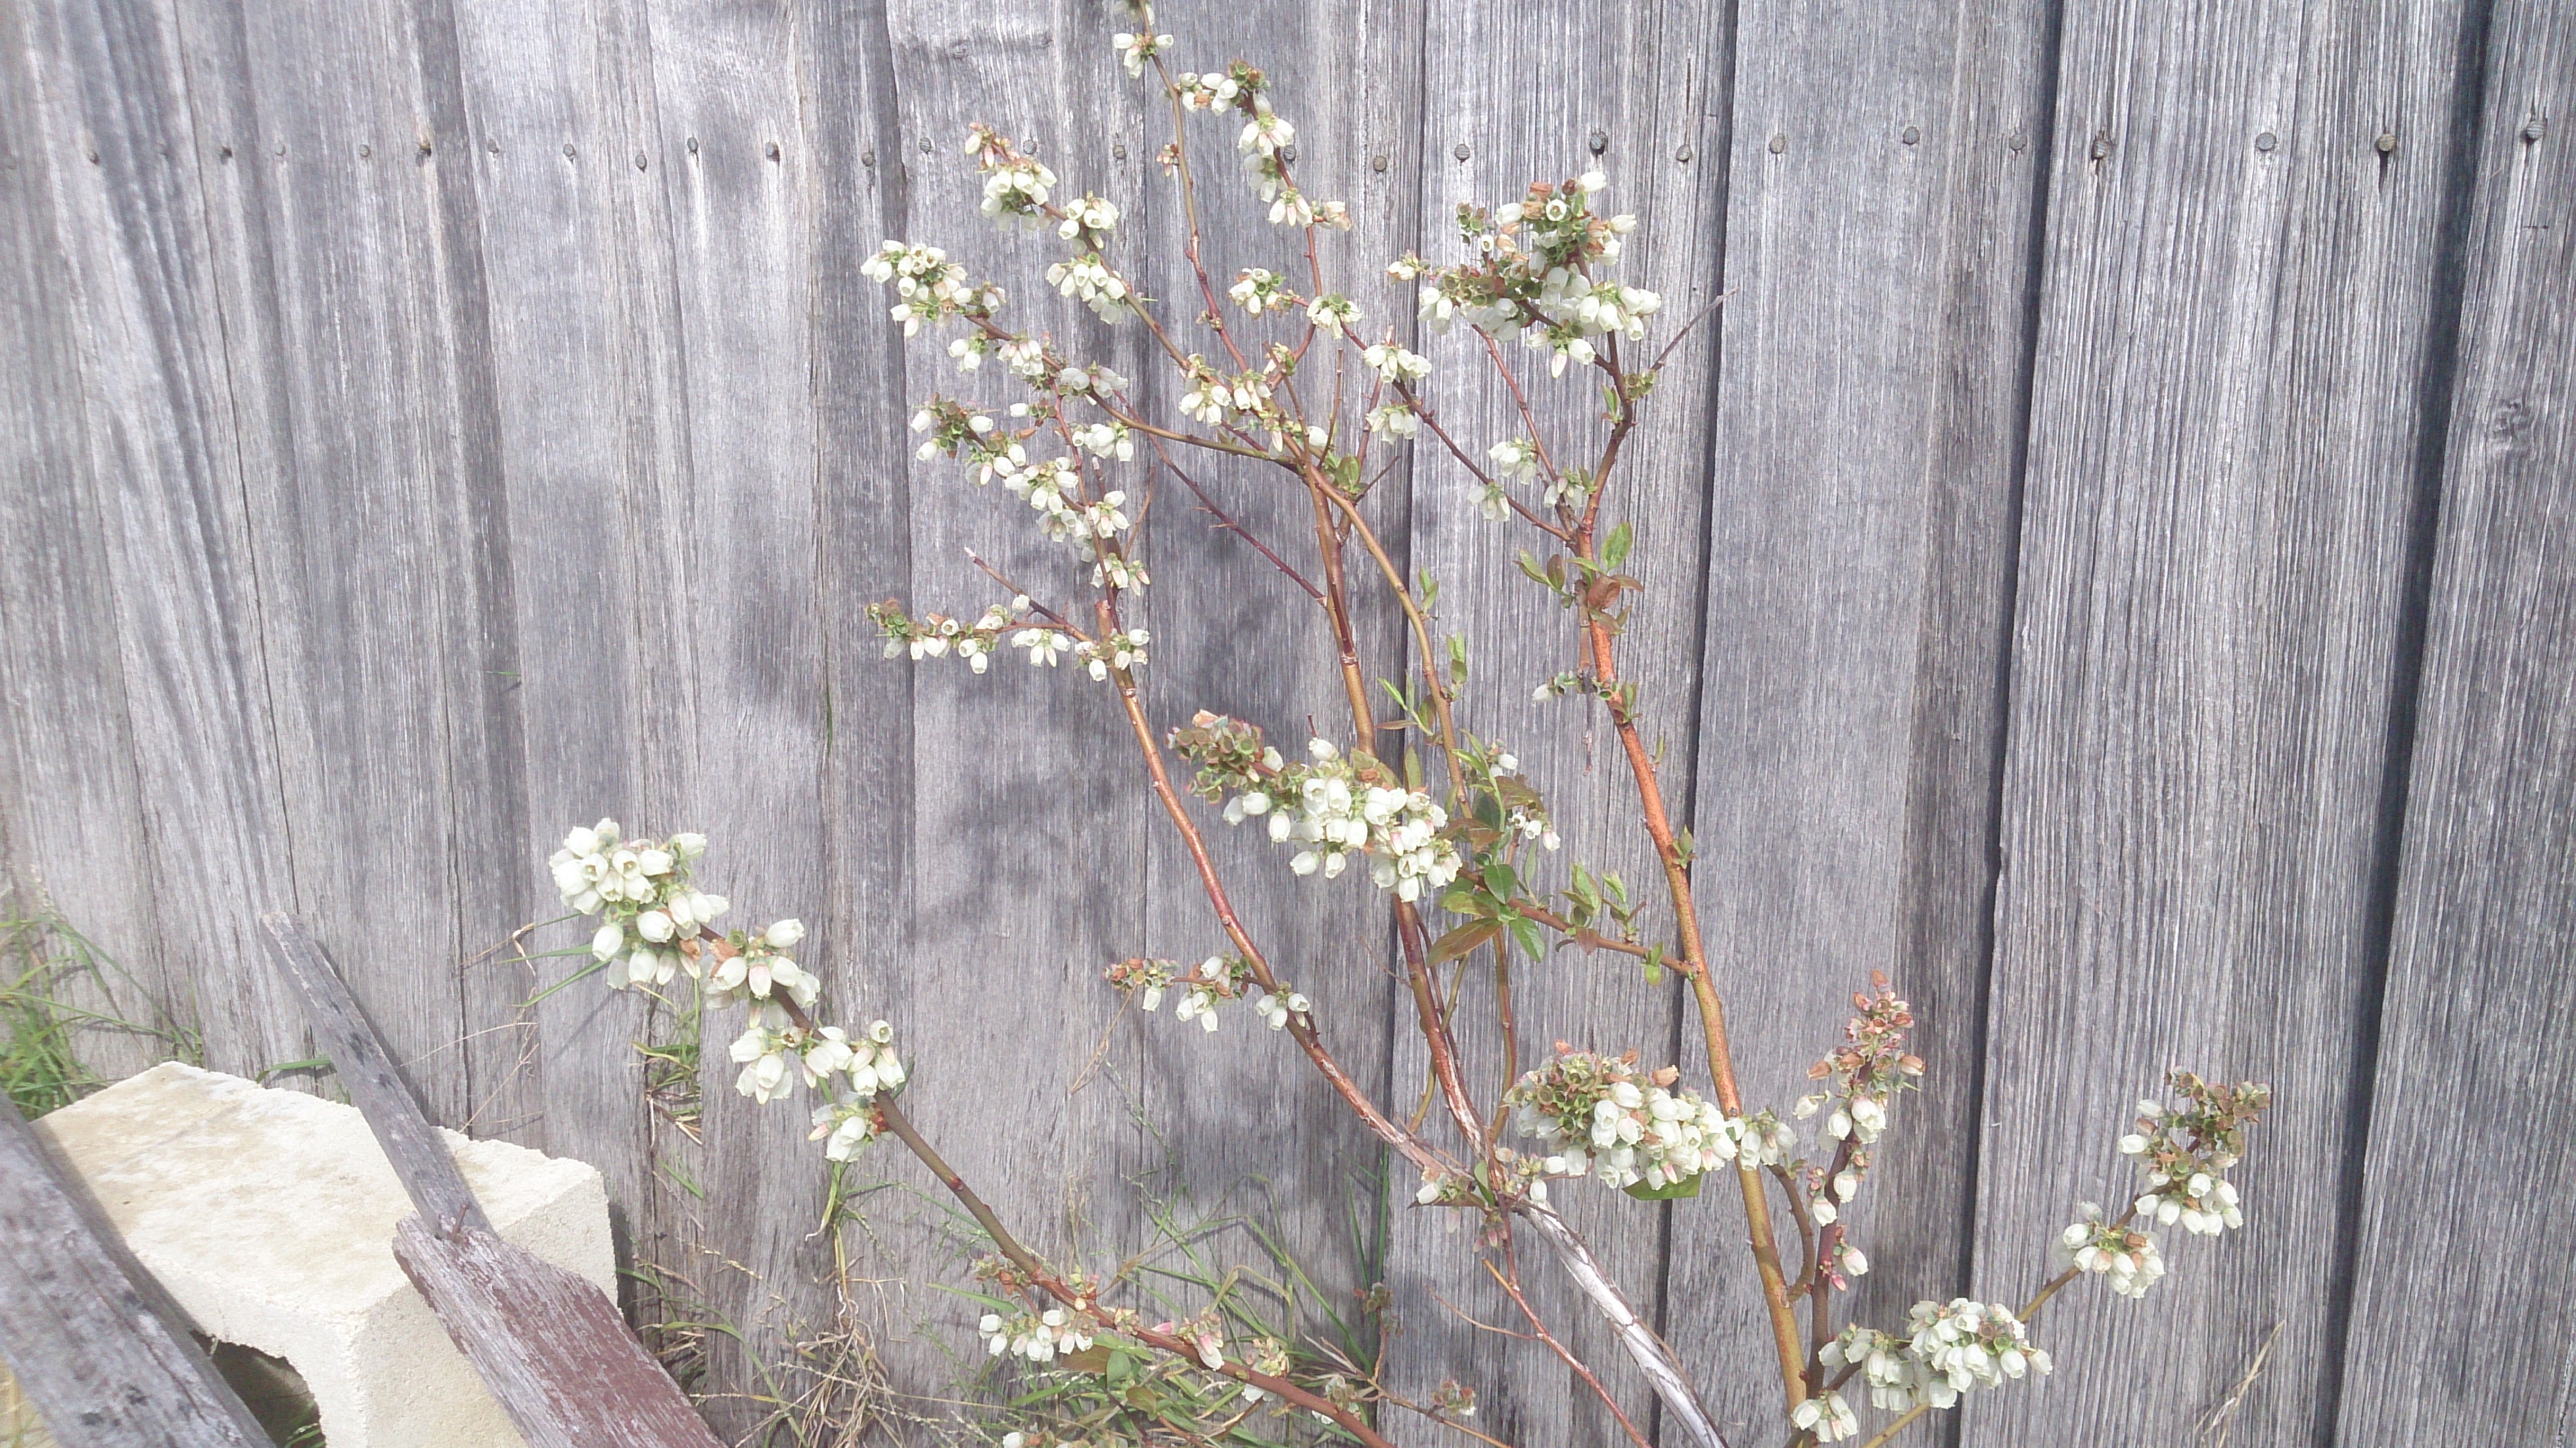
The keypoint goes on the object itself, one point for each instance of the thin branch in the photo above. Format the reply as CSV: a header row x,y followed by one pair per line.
x,y
1512,1286
1208,504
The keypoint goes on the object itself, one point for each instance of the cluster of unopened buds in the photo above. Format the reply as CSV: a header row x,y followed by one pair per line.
x,y
1040,1338
640,888
1600,1115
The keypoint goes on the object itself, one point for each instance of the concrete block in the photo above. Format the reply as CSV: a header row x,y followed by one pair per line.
x,y
270,1214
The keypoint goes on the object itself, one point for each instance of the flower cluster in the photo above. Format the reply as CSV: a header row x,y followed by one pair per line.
x,y
650,913
1122,651
1966,1345
1038,1338
1135,49
1087,279
1827,1416
935,635
1260,289
929,287
1947,1350
1204,986
1533,275
1330,807
1865,1074
2127,1257
1016,185
1600,1115
2186,1152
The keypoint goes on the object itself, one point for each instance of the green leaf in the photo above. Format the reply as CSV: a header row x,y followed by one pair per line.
x,y
1525,931
1428,587
1671,1191
1096,1358
1464,939
1614,549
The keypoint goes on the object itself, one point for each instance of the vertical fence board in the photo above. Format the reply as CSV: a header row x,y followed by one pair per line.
x,y
160,406
740,207
577,268
2479,984
2214,557
1869,414
71,828
861,443
350,281
1652,96
1234,636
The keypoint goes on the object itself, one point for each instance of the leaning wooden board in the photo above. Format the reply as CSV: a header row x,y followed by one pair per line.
x,y
96,1344
551,1348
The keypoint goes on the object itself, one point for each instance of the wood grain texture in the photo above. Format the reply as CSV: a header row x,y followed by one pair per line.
x,y
180,584
363,1067
591,445
740,207
93,1341
548,1344
71,827
2215,555
1231,634
350,284
377,509
1652,93
2485,925
1870,406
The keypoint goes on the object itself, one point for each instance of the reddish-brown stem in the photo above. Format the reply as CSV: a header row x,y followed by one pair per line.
x,y
1237,529
1511,1285
1046,1281
1302,1029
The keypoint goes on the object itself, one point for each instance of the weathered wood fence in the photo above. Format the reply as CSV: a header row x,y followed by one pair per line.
x,y
2113,567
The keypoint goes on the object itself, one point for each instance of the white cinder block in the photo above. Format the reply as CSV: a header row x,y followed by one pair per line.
x,y
270,1217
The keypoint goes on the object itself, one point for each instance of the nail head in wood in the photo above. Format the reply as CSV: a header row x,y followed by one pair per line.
x,y
693,145
492,145
1912,135
2535,130
2101,144
1683,155
1378,161
2266,141
773,150
2387,142
1462,153
567,149
364,151
1779,143
639,160
1599,141
1118,152
2019,142
868,157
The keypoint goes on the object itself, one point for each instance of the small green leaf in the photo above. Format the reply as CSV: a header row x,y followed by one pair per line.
x,y
1464,939
1096,1358
1525,931
1671,1191
1614,549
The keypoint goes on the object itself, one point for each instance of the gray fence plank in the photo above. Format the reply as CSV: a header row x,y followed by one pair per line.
x,y
1028,823
351,287
160,415
590,438
97,1344
1234,636
1869,415
2478,976
71,823
865,502
740,213
1651,94
2224,449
